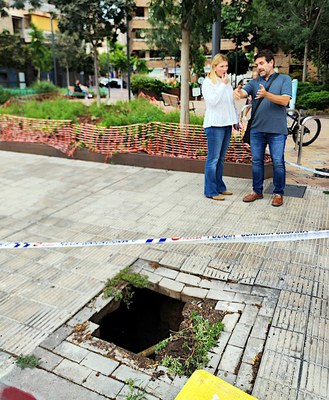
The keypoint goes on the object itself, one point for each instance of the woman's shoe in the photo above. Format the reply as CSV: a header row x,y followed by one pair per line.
x,y
218,197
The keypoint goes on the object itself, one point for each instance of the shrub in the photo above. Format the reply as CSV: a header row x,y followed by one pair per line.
x,y
315,100
44,87
50,109
148,85
4,96
308,87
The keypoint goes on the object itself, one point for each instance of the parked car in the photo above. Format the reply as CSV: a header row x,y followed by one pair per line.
x,y
114,82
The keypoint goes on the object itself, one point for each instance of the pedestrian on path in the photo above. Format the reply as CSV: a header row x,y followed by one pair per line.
x,y
219,117
269,124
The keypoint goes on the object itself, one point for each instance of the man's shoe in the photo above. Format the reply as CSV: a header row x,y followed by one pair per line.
x,y
227,193
252,197
219,197
277,200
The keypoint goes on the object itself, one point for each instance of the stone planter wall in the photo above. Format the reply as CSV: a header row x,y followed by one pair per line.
x,y
238,170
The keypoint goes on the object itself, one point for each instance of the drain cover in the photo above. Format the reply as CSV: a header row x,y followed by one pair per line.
x,y
290,190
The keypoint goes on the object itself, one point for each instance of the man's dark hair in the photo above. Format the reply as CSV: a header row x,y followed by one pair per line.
x,y
267,54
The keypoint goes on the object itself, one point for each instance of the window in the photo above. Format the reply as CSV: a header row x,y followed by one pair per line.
x,y
140,34
139,53
17,26
140,12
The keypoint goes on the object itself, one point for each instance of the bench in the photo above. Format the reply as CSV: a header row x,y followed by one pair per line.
x,y
79,95
173,101
71,93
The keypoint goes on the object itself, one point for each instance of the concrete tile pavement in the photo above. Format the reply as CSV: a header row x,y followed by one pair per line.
x,y
49,199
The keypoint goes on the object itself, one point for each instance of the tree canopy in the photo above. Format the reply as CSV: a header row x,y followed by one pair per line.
x,y
188,17
13,53
292,25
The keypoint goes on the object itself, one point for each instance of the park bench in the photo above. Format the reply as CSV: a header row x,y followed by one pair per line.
x,y
80,95
71,93
173,101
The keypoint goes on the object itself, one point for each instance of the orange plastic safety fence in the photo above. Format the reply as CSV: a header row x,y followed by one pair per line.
x,y
164,139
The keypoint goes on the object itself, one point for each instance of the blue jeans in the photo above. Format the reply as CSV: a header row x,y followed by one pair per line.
x,y
218,139
276,142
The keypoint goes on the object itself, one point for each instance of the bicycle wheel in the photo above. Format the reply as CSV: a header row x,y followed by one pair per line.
x,y
312,129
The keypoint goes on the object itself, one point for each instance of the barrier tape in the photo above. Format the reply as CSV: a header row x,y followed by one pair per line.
x,y
243,238
308,169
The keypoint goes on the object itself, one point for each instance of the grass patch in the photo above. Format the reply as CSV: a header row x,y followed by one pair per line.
x,y
30,361
56,109
116,286
121,113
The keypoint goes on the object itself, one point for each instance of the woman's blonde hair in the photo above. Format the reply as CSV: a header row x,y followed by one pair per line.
x,y
218,58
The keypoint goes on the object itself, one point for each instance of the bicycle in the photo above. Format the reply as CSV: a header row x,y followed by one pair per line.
x,y
312,127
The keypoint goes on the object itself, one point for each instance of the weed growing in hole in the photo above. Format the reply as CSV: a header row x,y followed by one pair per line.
x,y
198,339
30,361
114,287
135,393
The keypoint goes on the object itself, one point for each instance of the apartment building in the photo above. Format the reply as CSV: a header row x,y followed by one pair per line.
x,y
139,47
18,22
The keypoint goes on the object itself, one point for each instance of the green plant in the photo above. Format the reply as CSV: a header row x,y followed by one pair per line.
x,y
317,100
135,393
30,361
4,96
146,83
116,286
45,87
198,338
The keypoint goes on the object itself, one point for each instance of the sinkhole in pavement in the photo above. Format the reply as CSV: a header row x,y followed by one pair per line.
x,y
150,318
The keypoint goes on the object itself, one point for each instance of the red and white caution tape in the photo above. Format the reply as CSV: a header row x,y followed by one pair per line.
x,y
243,238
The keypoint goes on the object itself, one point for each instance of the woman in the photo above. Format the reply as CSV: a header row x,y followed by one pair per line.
x,y
219,117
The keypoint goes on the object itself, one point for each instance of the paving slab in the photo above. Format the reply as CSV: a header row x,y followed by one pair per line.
x,y
277,291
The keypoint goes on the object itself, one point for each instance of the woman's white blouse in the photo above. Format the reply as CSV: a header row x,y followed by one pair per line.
x,y
220,107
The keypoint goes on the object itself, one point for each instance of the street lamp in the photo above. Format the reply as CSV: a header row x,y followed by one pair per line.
x,y
52,16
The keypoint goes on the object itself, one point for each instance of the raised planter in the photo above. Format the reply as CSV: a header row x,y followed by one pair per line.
x,y
237,170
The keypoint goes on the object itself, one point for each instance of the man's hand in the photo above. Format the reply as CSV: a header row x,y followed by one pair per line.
x,y
238,93
261,92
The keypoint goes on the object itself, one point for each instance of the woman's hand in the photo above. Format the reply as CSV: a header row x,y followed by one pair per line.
x,y
224,78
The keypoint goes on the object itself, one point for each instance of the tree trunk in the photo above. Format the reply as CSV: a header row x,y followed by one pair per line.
x,y
185,77
305,61
96,76
67,76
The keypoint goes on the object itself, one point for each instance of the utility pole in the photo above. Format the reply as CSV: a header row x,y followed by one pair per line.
x,y
52,15
128,61
108,68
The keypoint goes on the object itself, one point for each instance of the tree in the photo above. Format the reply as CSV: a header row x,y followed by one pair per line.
x,y
13,53
69,51
40,53
19,4
93,21
295,32
192,17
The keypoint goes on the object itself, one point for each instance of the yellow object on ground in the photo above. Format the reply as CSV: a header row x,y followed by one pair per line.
x,y
204,386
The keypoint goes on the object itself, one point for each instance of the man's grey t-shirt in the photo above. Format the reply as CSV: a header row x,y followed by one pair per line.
x,y
270,117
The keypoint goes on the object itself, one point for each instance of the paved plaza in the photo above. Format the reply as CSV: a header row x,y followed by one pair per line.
x,y
276,293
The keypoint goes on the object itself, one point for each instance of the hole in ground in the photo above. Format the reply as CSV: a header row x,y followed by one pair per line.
x,y
149,319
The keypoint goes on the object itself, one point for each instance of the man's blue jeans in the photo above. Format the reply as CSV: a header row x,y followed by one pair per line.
x,y
218,139
276,142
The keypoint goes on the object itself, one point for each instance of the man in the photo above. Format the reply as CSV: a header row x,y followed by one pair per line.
x,y
269,124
